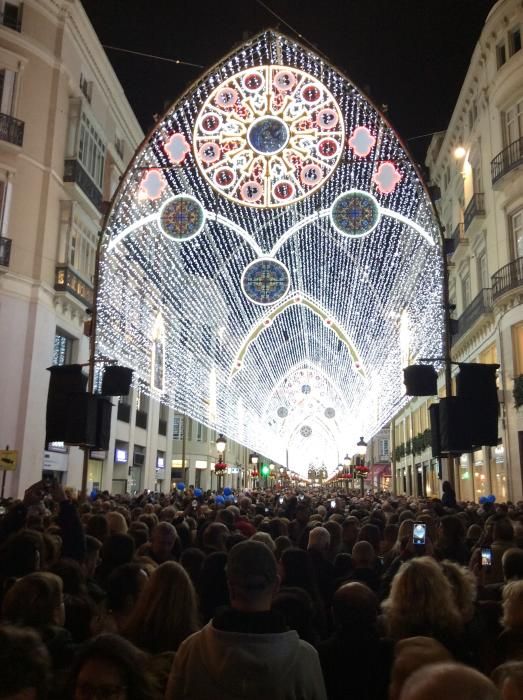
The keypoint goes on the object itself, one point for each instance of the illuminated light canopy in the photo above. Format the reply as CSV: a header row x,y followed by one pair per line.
x,y
253,170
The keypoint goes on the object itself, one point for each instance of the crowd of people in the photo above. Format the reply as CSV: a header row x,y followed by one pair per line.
x,y
287,594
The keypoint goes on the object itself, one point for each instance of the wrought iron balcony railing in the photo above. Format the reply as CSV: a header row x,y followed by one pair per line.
x,y
74,172
11,130
5,251
509,158
508,277
476,207
458,235
481,304
66,280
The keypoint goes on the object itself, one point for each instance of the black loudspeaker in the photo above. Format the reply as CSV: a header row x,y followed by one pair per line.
x,y
64,381
476,385
434,430
420,380
454,425
81,420
103,423
116,381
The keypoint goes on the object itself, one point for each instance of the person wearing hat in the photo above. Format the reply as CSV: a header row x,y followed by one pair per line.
x,y
246,650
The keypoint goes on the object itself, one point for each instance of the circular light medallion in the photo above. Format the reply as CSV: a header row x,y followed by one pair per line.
x,y
330,413
265,281
268,135
355,213
276,129
306,389
282,412
306,431
182,217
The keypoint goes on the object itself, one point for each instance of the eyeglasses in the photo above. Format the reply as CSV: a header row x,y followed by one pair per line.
x,y
86,691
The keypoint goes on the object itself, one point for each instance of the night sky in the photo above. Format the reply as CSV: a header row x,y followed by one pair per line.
x,y
411,55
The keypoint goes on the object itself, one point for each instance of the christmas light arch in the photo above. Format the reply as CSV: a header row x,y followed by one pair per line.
x,y
272,220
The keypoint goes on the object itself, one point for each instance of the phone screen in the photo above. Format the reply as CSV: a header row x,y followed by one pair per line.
x,y
486,556
333,503
281,499
418,533
195,504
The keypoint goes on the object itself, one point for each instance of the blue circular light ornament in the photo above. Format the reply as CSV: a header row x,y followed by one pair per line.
x,y
180,486
268,135
482,500
220,500
491,498
306,389
182,218
198,492
330,413
306,431
265,281
355,213
282,412
227,491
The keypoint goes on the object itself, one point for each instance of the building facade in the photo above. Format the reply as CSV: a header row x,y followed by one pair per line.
x,y
477,163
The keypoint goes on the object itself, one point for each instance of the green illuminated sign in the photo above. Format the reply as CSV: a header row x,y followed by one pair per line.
x,y
265,470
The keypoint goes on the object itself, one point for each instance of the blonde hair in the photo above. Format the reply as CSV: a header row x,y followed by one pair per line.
x,y
166,612
464,587
513,605
117,523
421,602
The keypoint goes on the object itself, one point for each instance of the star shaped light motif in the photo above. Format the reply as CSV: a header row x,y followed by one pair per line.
x,y
386,178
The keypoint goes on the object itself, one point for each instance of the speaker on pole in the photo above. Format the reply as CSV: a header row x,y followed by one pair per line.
x,y
420,380
65,380
435,437
454,425
476,385
116,381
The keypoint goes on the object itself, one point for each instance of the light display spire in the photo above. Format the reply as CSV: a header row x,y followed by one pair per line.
x,y
260,252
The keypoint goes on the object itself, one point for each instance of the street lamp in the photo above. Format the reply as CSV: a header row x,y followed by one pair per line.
x,y
220,467
221,444
254,459
360,464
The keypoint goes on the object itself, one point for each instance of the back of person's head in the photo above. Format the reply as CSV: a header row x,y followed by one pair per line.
x,y
512,563
73,579
421,601
214,536
336,532
412,654
319,539
34,601
25,665
139,532
296,607
251,572
342,565
124,585
117,523
355,607
80,612
192,560
226,517
503,530
363,555
22,553
212,590
110,654
281,543
448,680
296,568
97,526
464,587
452,529
265,539
508,679
513,605
371,533
166,610
117,550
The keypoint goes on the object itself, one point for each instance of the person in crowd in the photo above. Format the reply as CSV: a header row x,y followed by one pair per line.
x,y
297,609
318,551
448,680
124,586
509,645
448,498
422,603
412,654
364,566
164,539
450,543
508,679
111,668
246,651
166,611
25,665
350,529
502,540
116,550
213,592
356,635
